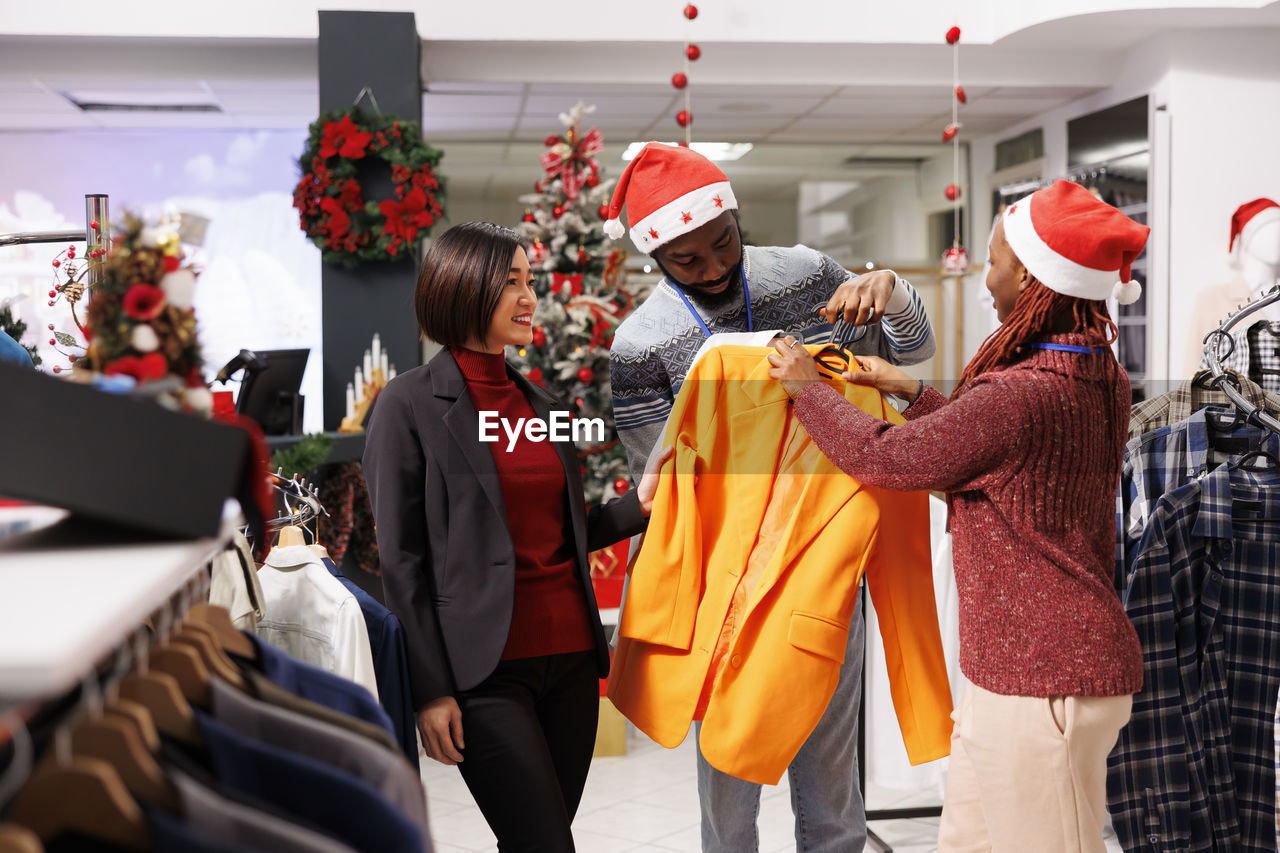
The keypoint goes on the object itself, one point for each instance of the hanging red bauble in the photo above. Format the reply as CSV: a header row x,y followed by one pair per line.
x,y
961,96
537,186
953,35
593,180
538,252
679,79
684,118
551,140
557,211
535,375
586,376
690,11
955,260
603,211
952,192
529,217
693,52
539,337
949,132
621,486
583,257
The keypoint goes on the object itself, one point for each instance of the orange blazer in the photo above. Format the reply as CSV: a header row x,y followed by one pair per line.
x,y
740,599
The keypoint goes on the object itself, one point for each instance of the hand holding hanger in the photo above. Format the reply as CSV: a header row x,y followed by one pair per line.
x,y
861,300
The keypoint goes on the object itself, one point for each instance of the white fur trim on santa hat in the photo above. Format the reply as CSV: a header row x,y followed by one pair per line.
x,y
1260,220
614,229
690,211
1052,269
1127,292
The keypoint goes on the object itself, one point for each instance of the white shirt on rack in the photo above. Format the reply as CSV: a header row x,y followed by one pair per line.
x,y
313,617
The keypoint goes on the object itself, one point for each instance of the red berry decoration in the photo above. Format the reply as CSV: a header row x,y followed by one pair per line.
x,y
57,368
57,264
684,118
691,11
952,192
949,132
557,211
51,327
693,52
679,79
52,293
961,96
94,225
52,342
586,375
528,216
953,35
621,486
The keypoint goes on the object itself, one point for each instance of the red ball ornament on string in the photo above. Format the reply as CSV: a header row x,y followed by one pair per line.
x,y
693,52
529,217
557,211
679,79
603,212
955,260
586,375
690,11
684,118
621,486
949,132
593,180
583,257
961,96
539,338
953,35
952,192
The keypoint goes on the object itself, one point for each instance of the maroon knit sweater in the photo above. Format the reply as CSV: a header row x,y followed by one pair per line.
x,y
1030,459
549,614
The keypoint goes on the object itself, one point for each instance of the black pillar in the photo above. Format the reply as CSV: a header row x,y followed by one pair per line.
x,y
378,50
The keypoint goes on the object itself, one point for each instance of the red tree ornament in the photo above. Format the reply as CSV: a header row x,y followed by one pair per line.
x,y
586,375
528,216
603,212
621,486
961,96
539,337
557,211
690,11
679,80
693,52
952,192
593,180
949,132
955,260
684,118
583,257
953,35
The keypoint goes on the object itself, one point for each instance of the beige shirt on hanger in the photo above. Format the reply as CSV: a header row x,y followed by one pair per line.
x,y
311,616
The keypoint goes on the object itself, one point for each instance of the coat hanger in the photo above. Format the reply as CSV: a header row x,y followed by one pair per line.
x,y
226,634
113,740
290,536
80,794
159,694
202,639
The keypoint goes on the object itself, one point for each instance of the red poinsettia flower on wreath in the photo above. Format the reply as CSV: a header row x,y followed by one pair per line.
x,y
148,367
339,221
343,138
144,301
406,217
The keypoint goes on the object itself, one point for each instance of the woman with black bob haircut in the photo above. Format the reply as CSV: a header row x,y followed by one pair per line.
x,y
484,548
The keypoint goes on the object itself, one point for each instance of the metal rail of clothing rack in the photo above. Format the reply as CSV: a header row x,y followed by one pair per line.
x,y
1220,339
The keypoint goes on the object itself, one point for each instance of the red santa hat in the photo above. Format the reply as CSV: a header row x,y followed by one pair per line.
x,y
1249,217
668,190
1075,243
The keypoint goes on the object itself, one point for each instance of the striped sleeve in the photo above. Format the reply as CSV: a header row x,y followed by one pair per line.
x,y
642,399
906,326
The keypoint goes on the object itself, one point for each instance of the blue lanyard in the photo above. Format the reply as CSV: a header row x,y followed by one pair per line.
x,y
746,294
1069,348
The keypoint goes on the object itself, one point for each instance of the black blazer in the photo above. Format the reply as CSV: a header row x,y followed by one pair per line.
x,y
448,563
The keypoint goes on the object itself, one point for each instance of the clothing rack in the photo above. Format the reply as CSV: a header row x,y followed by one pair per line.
x,y
301,503
1219,345
1087,174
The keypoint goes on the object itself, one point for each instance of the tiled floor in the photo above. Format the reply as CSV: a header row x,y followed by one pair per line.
x,y
647,800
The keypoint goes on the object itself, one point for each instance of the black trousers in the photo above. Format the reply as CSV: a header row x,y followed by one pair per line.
x,y
530,729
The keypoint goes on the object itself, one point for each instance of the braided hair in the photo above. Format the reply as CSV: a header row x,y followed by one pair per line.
x,y
1033,317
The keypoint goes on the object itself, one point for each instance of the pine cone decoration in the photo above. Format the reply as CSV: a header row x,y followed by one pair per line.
x,y
142,265
72,291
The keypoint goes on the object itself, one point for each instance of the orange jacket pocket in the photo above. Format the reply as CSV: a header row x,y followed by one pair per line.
x,y
819,635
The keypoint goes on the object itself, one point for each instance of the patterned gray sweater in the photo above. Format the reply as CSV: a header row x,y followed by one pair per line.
x,y
654,347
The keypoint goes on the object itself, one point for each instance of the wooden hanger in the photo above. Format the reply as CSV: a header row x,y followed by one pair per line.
x,y
117,743
320,550
138,718
184,664
200,638
19,839
227,636
84,795
160,694
291,536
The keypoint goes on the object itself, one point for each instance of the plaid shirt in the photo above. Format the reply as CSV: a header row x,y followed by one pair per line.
x,y
1184,399
1194,770
1257,349
1156,463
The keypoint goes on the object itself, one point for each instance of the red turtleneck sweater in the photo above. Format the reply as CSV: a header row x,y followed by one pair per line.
x,y
549,615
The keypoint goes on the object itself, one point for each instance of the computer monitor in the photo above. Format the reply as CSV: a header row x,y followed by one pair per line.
x,y
270,395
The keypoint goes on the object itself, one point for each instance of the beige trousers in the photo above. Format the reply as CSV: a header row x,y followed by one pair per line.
x,y
1029,774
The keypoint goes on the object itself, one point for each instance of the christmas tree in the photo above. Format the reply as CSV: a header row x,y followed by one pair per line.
x,y
15,329
581,298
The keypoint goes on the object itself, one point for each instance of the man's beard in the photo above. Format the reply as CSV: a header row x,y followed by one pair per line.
x,y
710,302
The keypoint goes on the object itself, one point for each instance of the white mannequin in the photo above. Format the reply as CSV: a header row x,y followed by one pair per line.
x,y
1258,257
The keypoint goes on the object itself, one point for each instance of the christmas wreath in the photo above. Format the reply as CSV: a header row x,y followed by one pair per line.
x,y
348,228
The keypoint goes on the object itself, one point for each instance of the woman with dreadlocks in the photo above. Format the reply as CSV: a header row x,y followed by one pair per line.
x,y
1028,450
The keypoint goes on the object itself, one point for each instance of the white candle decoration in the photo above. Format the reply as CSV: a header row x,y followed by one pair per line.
x,y
377,349
383,364
368,365
359,386
351,400
391,373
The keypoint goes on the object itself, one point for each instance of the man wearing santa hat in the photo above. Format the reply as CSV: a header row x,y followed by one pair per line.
x,y
682,213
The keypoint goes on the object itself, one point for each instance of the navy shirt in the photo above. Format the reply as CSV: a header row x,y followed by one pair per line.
x,y
390,664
